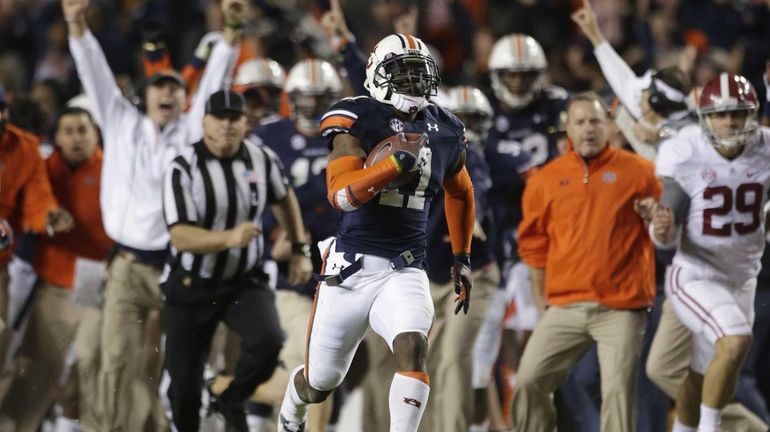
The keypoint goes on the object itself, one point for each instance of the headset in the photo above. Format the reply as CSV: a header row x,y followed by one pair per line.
x,y
660,102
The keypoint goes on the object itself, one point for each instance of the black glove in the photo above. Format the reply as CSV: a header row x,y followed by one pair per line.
x,y
461,275
6,235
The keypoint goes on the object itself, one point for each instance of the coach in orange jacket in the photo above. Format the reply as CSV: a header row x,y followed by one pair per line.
x,y
26,201
591,263
74,170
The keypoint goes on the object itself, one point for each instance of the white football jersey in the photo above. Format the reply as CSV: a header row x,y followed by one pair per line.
x,y
724,228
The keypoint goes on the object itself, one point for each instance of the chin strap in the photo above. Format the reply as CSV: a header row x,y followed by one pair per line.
x,y
408,104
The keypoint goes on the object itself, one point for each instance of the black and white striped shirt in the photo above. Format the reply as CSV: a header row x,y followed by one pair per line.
x,y
218,194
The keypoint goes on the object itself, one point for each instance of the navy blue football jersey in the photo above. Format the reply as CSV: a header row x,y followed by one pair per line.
x,y
305,160
440,256
395,220
519,140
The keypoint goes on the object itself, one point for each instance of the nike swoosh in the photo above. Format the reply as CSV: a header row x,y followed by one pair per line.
x,y
751,174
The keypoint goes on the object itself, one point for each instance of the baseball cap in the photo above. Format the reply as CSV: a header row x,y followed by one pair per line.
x,y
166,75
225,101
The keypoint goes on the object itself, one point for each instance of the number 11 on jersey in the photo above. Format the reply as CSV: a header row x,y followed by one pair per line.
x,y
416,197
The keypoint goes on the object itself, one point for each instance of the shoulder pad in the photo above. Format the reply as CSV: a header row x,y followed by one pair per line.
x,y
343,114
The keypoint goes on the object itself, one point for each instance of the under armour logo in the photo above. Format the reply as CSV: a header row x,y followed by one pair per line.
x,y
432,127
413,402
372,190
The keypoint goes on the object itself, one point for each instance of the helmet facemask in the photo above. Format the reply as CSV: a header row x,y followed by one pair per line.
x,y
477,125
408,80
724,138
532,81
308,108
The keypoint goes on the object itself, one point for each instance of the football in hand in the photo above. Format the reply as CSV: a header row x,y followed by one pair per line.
x,y
410,142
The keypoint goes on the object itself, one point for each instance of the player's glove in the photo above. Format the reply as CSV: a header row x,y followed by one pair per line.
x,y
461,276
6,235
413,155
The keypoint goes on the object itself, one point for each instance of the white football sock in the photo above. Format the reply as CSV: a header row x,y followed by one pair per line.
x,y
709,419
679,427
407,400
64,424
293,408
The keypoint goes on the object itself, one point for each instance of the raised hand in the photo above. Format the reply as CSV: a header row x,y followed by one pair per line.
x,y
585,18
74,9
333,21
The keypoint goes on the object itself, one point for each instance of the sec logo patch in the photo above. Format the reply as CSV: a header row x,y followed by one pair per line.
x,y
396,125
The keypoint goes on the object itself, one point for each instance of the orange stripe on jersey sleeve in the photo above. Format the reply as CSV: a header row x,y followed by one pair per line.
x,y
337,121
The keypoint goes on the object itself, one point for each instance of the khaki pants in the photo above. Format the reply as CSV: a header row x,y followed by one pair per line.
x,y
87,351
53,322
128,390
667,364
562,336
450,363
293,312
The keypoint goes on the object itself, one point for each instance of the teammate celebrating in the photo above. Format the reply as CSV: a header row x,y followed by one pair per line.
x,y
374,263
717,179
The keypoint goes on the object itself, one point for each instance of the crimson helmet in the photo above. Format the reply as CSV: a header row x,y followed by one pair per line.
x,y
728,92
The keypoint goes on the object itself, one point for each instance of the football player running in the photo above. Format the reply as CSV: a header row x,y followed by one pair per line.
x,y
373,266
716,178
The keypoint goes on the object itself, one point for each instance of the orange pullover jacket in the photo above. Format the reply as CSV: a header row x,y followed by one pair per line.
x,y
78,191
25,193
579,224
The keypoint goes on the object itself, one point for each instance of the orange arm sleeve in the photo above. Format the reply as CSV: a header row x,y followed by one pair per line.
x,y
38,198
350,185
460,211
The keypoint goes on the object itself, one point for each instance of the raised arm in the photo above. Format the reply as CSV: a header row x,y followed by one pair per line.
x,y
219,65
94,72
623,81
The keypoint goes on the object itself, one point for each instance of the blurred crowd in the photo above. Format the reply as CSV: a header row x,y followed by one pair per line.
x,y
39,84
713,35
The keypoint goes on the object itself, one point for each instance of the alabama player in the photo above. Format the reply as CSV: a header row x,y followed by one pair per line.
x,y
716,182
373,266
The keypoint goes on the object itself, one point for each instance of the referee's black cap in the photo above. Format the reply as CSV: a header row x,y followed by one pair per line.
x,y
225,101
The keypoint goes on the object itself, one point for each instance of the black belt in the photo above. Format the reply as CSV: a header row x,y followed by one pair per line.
x,y
404,260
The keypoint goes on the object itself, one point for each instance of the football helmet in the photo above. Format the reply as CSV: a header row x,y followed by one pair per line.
x,y
517,53
259,72
401,72
313,86
724,93
474,110
261,80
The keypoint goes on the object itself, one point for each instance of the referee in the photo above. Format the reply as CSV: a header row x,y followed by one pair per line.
x,y
213,199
